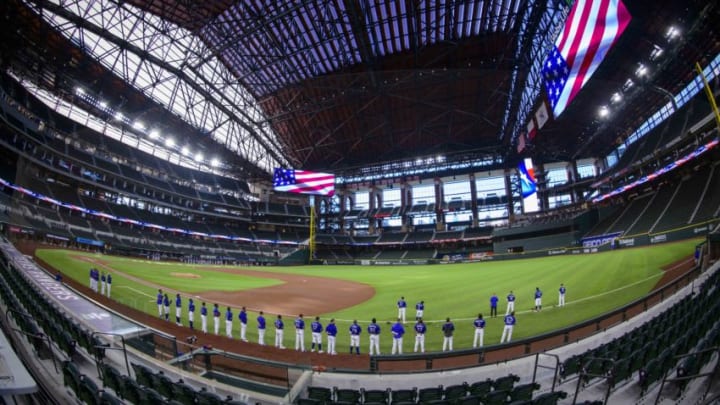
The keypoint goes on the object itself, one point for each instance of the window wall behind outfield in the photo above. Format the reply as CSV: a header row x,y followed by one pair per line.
x,y
491,196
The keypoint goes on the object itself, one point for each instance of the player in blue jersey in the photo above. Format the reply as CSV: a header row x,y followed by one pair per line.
x,y
420,330
510,303
191,313
316,328
419,310
228,322
159,302
402,306
91,275
538,299
300,333
397,331
331,332
109,284
448,329
178,309
166,307
242,316
479,325
261,328
355,331
216,319
279,333
561,295
102,283
374,332
96,279
203,317
508,330
493,305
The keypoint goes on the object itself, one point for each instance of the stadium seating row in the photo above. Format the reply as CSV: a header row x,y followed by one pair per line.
x,y
499,391
652,349
38,317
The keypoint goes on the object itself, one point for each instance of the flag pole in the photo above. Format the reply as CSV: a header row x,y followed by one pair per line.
x,y
709,93
311,242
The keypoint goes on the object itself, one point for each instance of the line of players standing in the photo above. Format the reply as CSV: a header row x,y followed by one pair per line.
x,y
316,327
100,282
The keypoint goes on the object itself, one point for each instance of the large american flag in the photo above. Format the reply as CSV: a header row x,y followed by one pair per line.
x,y
590,31
304,182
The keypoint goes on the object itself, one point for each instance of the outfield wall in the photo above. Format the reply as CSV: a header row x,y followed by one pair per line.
x,y
605,243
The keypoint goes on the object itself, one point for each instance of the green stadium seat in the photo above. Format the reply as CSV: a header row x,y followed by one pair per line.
x,y
549,398
505,383
571,366
107,398
183,393
143,375
404,396
498,397
320,393
650,374
481,388
310,401
523,392
149,396
453,392
429,394
111,377
71,376
89,391
620,371
375,396
132,391
205,397
163,385
470,400
346,395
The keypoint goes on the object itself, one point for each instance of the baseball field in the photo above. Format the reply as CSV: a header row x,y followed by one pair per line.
x,y
596,283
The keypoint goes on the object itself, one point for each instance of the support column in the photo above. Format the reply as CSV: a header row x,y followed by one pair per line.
x,y
509,194
439,199
473,200
542,187
405,204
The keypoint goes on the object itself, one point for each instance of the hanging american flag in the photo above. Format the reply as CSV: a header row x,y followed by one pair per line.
x,y
303,182
590,31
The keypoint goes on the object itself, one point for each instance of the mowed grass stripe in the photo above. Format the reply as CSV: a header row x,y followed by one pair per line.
x,y
460,291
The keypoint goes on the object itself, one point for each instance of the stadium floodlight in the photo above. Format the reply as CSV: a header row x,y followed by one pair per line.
x,y
628,85
641,70
79,90
215,162
119,116
169,142
138,125
103,104
154,134
672,33
616,97
185,151
604,111
656,53
199,157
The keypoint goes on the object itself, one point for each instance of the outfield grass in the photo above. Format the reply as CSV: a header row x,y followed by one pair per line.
x,y
596,284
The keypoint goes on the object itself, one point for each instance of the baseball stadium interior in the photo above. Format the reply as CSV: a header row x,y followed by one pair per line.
x,y
450,132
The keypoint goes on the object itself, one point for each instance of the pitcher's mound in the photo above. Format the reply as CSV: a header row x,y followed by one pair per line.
x,y
185,275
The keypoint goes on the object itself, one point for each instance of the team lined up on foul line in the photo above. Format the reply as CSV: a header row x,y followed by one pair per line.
x,y
355,330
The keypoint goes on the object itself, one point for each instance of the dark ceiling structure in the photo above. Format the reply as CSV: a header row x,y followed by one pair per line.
x,y
335,85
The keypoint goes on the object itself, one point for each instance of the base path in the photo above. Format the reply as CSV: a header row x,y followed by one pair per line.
x,y
298,294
